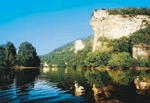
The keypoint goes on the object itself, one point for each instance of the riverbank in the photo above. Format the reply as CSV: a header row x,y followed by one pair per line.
x,y
116,68
22,67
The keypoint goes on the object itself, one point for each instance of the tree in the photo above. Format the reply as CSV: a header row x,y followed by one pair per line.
x,y
10,54
120,60
97,59
2,55
27,55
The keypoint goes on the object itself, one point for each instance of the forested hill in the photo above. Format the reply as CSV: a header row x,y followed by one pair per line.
x,y
65,53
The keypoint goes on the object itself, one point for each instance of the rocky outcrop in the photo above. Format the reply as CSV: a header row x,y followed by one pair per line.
x,y
140,50
114,26
79,45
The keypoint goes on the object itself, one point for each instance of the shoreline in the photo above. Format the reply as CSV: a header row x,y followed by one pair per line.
x,y
116,68
21,67
18,67
86,68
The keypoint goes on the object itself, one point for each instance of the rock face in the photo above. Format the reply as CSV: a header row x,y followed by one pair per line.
x,y
114,26
79,45
140,50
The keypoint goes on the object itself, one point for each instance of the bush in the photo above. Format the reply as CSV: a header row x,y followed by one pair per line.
x,y
130,11
120,45
120,60
141,36
140,62
103,9
97,59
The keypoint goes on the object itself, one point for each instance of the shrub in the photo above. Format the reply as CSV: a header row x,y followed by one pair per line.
x,y
103,9
120,60
97,59
130,11
140,62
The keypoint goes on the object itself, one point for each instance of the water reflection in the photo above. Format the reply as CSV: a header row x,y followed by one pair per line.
x,y
72,85
54,69
45,69
24,81
6,78
79,90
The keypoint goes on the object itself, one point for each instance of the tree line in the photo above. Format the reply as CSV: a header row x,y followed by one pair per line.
x,y
26,55
131,11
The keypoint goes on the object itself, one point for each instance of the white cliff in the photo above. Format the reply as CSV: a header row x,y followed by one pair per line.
x,y
114,26
79,45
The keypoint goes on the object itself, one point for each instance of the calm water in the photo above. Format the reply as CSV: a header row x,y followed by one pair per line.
x,y
60,85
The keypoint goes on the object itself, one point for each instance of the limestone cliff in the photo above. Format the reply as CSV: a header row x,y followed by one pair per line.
x,y
79,45
114,26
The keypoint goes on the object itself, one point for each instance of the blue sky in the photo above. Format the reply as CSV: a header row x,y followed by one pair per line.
x,y
49,24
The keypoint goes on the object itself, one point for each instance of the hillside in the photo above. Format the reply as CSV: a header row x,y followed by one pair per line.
x,y
65,53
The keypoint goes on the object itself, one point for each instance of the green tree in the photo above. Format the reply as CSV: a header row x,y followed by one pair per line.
x,y
10,54
27,55
120,45
140,62
120,60
97,59
79,58
2,55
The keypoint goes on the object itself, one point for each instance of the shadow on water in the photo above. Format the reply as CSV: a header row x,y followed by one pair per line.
x,y
6,78
16,83
24,79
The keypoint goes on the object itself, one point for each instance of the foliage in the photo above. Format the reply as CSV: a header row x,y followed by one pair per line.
x,y
130,11
141,36
2,55
140,62
10,54
79,58
65,54
97,58
120,45
27,55
120,60
7,54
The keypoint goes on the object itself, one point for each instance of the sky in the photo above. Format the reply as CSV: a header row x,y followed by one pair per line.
x,y
49,24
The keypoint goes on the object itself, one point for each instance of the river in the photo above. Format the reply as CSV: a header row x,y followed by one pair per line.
x,y
67,85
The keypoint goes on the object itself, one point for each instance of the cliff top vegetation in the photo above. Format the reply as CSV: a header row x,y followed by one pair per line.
x,y
131,11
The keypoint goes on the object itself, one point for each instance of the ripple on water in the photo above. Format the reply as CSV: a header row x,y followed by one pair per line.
x,y
41,91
